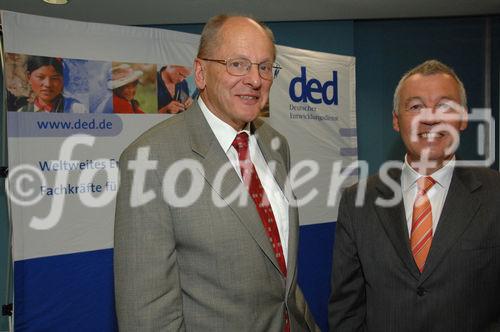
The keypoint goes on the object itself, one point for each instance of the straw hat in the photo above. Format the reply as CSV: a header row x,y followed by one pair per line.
x,y
122,75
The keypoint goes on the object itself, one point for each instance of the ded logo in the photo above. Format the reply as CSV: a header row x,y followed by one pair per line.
x,y
303,90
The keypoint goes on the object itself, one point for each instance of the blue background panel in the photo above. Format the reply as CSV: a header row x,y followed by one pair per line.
x,y
44,290
315,267
42,286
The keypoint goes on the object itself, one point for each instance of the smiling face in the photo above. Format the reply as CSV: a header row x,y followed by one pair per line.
x,y
429,118
236,100
127,91
46,83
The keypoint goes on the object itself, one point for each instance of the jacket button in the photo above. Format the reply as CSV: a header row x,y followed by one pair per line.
x,y
420,291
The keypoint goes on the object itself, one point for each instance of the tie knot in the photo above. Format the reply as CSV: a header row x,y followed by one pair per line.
x,y
425,183
241,141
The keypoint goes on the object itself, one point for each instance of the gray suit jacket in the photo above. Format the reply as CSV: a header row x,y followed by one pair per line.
x,y
201,267
376,285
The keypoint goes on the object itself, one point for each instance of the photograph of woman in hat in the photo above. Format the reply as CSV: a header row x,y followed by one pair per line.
x,y
173,90
123,83
46,81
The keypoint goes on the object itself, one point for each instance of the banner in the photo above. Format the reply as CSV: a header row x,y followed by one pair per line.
x,y
313,104
108,84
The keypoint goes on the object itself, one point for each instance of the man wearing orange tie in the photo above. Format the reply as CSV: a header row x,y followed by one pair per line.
x,y
423,251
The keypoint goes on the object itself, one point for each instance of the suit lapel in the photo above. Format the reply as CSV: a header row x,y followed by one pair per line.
x,y
459,208
272,156
293,244
213,158
453,222
394,222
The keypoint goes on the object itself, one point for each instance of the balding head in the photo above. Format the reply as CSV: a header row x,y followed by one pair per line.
x,y
213,33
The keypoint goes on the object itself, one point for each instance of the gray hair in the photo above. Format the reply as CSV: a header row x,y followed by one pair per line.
x,y
430,67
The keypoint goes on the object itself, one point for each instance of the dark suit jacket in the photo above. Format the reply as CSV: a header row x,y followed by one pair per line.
x,y
376,285
201,267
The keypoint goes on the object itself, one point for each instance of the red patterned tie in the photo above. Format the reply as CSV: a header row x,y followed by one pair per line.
x,y
256,191
421,225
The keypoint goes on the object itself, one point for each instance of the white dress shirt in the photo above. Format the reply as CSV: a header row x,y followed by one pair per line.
x,y
437,193
226,134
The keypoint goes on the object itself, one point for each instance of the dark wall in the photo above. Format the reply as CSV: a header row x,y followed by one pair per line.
x,y
495,80
385,50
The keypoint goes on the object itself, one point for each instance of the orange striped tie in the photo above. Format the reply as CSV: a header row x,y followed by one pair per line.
x,y
421,224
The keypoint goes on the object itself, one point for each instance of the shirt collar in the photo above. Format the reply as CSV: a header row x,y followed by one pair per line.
x,y
224,133
39,107
442,176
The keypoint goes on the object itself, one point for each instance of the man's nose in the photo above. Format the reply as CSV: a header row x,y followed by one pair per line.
x,y
430,115
253,77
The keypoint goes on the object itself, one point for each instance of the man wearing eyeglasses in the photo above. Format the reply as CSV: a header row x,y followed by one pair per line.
x,y
423,251
227,259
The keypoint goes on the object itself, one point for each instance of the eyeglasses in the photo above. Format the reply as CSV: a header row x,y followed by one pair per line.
x,y
241,66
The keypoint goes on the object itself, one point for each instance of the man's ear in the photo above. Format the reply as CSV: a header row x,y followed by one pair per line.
x,y
395,121
199,74
464,120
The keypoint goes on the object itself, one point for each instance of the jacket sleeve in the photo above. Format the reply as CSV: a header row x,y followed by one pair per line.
x,y
347,306
147,285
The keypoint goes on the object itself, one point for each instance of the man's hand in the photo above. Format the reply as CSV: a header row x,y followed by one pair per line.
x,y
173,108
